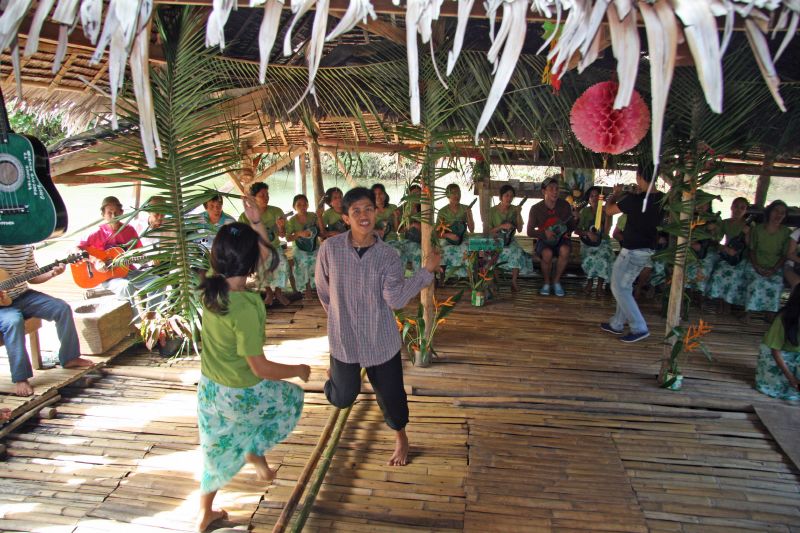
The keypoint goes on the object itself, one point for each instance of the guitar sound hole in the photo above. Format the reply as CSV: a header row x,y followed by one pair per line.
x,y
10,174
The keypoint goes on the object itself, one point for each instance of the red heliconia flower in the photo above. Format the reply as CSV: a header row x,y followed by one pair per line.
x,y
603,129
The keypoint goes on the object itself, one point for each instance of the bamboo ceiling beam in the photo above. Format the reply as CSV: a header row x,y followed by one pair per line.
x,y
281,163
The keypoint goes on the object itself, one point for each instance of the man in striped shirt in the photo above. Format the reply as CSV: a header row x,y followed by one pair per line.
x,y
359,281
27,303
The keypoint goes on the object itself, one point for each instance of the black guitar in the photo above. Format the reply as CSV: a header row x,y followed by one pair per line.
x,y
339,226
738,243
507,235
31,209
308,244
386,226
459,229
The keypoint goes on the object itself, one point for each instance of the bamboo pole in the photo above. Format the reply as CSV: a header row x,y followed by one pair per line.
x,y
426,211
305,475
678,272
327,458
762,187
316,171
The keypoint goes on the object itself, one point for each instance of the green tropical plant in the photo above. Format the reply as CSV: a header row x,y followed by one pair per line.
x,y
197,145
417,335
684,342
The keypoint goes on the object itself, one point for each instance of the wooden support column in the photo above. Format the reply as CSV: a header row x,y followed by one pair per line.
x,y
304,173
426,207
346,173
678,273
484,191
316,171
762,187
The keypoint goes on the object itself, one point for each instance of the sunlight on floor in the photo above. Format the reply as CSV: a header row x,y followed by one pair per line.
x,y
168,408
309,351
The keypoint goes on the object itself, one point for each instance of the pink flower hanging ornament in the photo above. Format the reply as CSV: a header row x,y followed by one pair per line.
x,y
603,129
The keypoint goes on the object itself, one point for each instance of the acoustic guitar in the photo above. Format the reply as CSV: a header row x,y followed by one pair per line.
x,y
7,283
87,276
30,208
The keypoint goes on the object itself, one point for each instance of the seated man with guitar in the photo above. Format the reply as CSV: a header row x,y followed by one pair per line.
x,y
551,221
452,223
18,302
302,230
110,240
505,221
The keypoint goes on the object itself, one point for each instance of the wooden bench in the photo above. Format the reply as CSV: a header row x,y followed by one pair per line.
x,y
32,326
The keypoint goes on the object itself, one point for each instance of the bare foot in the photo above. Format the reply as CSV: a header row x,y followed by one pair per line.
x,y
269,298
78,362
263,471
282,299
587,289
5,414
514,286
400,456
205,519
23,388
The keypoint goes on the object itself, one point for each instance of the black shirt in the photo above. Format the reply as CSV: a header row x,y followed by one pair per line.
x,y
641,229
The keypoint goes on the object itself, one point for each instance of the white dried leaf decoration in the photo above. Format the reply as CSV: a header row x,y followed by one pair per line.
x,y
666,22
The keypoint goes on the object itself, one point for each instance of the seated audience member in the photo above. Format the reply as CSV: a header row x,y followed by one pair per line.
x,y
505,220
112,234
768,246
271,282
778,367
388,217
728,277
211,220
410,245
27,303
598,257
302,231
453,222
330,221
698,273
551,222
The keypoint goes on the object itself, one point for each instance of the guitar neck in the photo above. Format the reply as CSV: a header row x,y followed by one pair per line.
x,y
128,260
11,282
5,127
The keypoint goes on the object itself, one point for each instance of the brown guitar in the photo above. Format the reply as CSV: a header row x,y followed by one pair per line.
x,y
7,282
87,276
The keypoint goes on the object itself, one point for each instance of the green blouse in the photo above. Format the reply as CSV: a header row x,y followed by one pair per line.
x,y
497,217
586,219
331,217
381,219
729,229
229,339
294,225
769,247
775,337
447,216
269,218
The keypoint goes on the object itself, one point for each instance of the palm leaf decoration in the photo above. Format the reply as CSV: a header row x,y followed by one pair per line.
x,y
196,142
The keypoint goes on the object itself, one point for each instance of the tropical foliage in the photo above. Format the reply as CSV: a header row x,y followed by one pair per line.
x,y
685,340
417,335
196,146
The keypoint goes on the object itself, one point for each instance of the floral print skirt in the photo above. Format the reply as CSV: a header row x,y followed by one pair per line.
x,y
453,258
762,294
728,282
303,268
410,252
234,422
597,261
769,378
277,279
698,275
515,257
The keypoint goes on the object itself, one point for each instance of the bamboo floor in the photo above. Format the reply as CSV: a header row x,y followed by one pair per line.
x,y
532,420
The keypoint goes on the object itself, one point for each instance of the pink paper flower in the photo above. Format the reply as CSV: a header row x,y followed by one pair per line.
x,y
603,129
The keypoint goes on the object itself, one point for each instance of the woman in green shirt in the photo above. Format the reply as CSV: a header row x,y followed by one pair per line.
x,y
505,221
330,221
596,261
728,277
409,246
452,223
387,218
698,274
302,231
274,221
244,408
778,368
768,244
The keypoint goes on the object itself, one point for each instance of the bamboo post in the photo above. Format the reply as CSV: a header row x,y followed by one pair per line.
x,y
484,191
679,270
304,174
426,208
316,170
762,187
